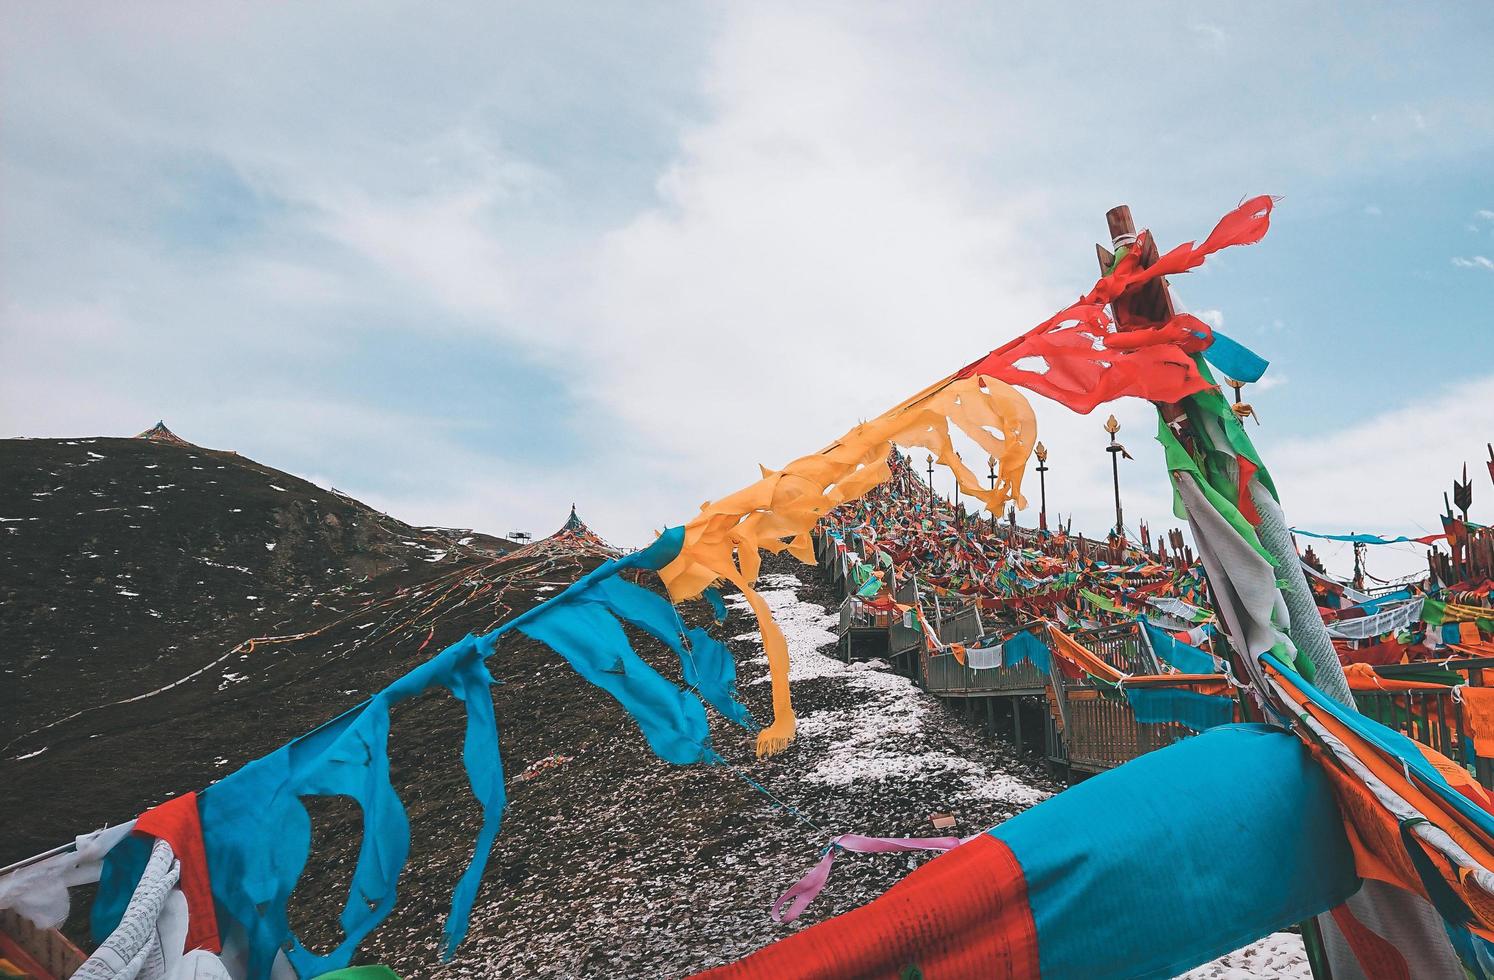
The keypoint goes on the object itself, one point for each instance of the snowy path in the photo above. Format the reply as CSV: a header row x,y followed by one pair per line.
x,y
883,736
1280,955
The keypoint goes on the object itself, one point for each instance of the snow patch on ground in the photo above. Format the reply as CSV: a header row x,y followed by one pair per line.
x,y
870,742
1279,955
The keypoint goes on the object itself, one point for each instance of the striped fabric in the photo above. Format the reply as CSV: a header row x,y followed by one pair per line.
x,y
1144,871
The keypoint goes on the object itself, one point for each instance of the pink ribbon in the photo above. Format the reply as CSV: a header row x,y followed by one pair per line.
x,y
806,888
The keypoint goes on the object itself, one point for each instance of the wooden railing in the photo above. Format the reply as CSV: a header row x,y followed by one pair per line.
x,y
1089,731
1433,718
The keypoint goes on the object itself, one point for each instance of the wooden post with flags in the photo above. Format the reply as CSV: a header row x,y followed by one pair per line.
x,y
1139,307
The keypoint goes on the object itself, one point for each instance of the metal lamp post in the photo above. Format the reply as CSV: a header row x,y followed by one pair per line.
x,y
931,473
1041,452
1115,449
956,494
991,475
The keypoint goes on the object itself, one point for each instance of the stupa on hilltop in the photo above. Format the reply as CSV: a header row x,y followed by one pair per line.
x,y
159,433
573,538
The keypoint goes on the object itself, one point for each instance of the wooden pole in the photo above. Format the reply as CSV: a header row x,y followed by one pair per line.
x,y
1147,305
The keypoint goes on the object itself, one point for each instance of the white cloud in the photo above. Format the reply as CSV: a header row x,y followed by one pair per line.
x,y
730,235
1210,36
812,259
1485,214
1475,262
1373,211
1385,475
438,246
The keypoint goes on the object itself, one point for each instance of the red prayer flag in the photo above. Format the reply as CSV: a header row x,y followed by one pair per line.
x,y
177,823
1078,358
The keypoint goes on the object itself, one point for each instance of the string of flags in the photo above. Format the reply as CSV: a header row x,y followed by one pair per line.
x,y
1053,892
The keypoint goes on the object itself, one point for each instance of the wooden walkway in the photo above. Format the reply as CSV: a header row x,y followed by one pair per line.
x,y
1079,729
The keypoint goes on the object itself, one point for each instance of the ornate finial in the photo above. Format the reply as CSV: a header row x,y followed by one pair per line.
x,y
1041,452
1112,426
1242,410
1463,493
991,462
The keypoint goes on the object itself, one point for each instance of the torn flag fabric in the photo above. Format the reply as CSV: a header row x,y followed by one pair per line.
x,y
1078,358
779,511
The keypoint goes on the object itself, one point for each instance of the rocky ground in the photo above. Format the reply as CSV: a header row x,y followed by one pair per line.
x,y
173,612
614,864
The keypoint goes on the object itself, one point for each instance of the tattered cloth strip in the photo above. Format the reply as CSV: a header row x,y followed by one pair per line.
x,y
1437,612
1383,652
1026,648
1175,625
1376,603
1169,649
1180,609
1104,602
985,658
1416,819
1066,890
804,891
133,948
779,511
1478,718
1369,538
1067,649
178,823
1332,585
1364,678
39,891
257,831
1161,705
1389,620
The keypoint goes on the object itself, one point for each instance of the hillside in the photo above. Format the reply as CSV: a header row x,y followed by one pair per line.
x,y
170,611
174,612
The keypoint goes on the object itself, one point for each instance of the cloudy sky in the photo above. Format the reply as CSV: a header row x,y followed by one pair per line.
x,y
471,262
